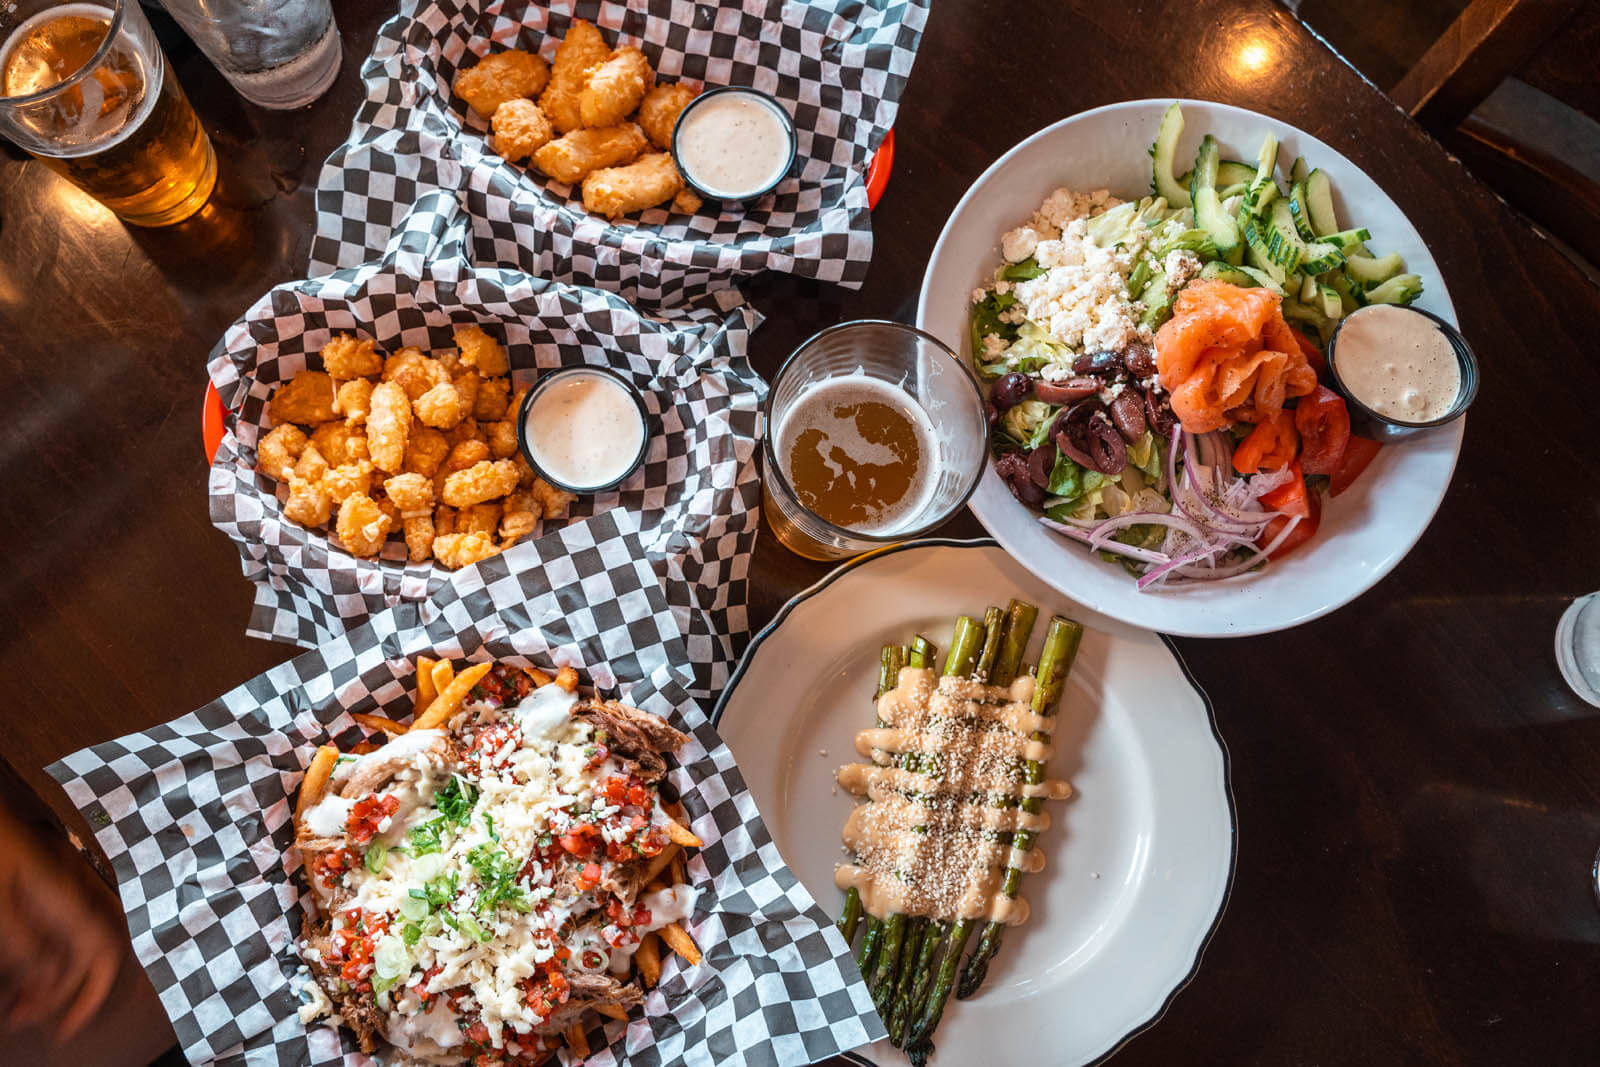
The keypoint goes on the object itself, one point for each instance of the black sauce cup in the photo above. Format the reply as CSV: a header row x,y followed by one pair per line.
x,y
553,377
1379,427
766,100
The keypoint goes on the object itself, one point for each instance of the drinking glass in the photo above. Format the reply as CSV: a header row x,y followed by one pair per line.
x,y
931,377
279,54
85,89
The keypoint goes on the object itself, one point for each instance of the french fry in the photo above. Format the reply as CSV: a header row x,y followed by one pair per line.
x,y
612,1011
680,873
567,678
443,673
648,958
361,748
426,690
382,723
678,939
577,1041
540,679
315,783
681,835
450,697
658,863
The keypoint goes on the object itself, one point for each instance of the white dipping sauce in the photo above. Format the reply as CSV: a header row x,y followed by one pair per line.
x,y
733,144
584,430
1398,363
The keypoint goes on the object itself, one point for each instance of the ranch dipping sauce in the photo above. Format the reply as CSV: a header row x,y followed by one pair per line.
x,y
1398,363
733,144
583,430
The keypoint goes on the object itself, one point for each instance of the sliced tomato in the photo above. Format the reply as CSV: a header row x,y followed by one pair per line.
x,y
1293,500
1270,446
1358,452
1324,425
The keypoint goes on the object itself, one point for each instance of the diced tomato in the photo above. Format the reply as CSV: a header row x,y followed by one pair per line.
x,y
638,796
1358,452
577,843
1313,354
330,866
1293,500
1324,425
590,877
1270,446
615,790
367,813
641,915
651,844
477,1033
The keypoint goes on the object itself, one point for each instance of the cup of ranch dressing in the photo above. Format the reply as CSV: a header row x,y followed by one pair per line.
x,y
734,143
1402,370
583,429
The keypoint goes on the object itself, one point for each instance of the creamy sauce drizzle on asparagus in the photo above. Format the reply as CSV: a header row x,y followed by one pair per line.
x,y
944,782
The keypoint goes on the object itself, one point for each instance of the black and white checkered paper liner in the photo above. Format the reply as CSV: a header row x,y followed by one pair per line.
x,y
837,66
697,493
196,817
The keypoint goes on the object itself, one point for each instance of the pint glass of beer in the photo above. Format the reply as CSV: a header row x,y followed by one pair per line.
x,y
85,89
876,433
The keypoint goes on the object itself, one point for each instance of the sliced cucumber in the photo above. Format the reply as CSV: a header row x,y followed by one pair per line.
x,y
1263,279
1256,256
1328,298
1311,314
1319,203
1369,272
1138,278
1263,189
1157,301
1219,271
1320,257
1208,214
1298,170
1284,246
1350,294
1162,153
1297,208
1236,189
1308,289
1401,289
1351,239
1232,172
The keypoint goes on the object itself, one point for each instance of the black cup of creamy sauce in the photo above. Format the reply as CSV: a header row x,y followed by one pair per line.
x,y
583,429
734,143
1401,370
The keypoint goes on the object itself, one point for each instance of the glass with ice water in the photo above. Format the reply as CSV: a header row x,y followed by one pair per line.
x,y
277,53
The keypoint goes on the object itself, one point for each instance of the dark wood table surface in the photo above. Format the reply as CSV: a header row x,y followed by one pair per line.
x,y
1418,792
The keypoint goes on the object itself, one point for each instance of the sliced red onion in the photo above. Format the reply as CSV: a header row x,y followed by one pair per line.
x,y
1255,557
1190,558
1135,518
1267,481
1143,555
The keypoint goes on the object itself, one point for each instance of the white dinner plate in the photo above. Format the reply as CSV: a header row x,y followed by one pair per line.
x,y
1140,859
1364,533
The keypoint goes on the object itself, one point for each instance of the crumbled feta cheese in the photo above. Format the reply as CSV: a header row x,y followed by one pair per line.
x,y
978,295
1180,266
993,345
1082,298
1018,244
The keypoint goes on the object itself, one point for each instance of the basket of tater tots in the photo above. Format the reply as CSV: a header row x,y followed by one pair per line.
x,y
554,124
372,441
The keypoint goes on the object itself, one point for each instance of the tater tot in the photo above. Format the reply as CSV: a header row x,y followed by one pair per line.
x,y
520,129
617,191
615,88
388,427
482,352
346,357
503,76
659,111
581,51
571,157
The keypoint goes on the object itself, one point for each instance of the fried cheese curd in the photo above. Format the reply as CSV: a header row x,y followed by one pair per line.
x,y
597,110
419,445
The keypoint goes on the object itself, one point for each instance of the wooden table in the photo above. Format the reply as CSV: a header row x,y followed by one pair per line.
x,y
1418,792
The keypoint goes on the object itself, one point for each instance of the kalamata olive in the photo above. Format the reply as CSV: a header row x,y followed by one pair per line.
x,y
1139,360
1100,364
1072,451
1013,470
1041,463
1127,413
1104,445
991,413
1158,414
1011,390
1068,391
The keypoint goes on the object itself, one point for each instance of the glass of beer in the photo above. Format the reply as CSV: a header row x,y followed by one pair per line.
x,y
875,434
85,89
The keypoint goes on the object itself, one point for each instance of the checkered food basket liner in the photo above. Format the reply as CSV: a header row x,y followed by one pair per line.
x,y
837,66
196,817
697,494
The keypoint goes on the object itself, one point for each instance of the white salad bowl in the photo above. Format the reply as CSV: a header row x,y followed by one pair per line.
x,y
1363,534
